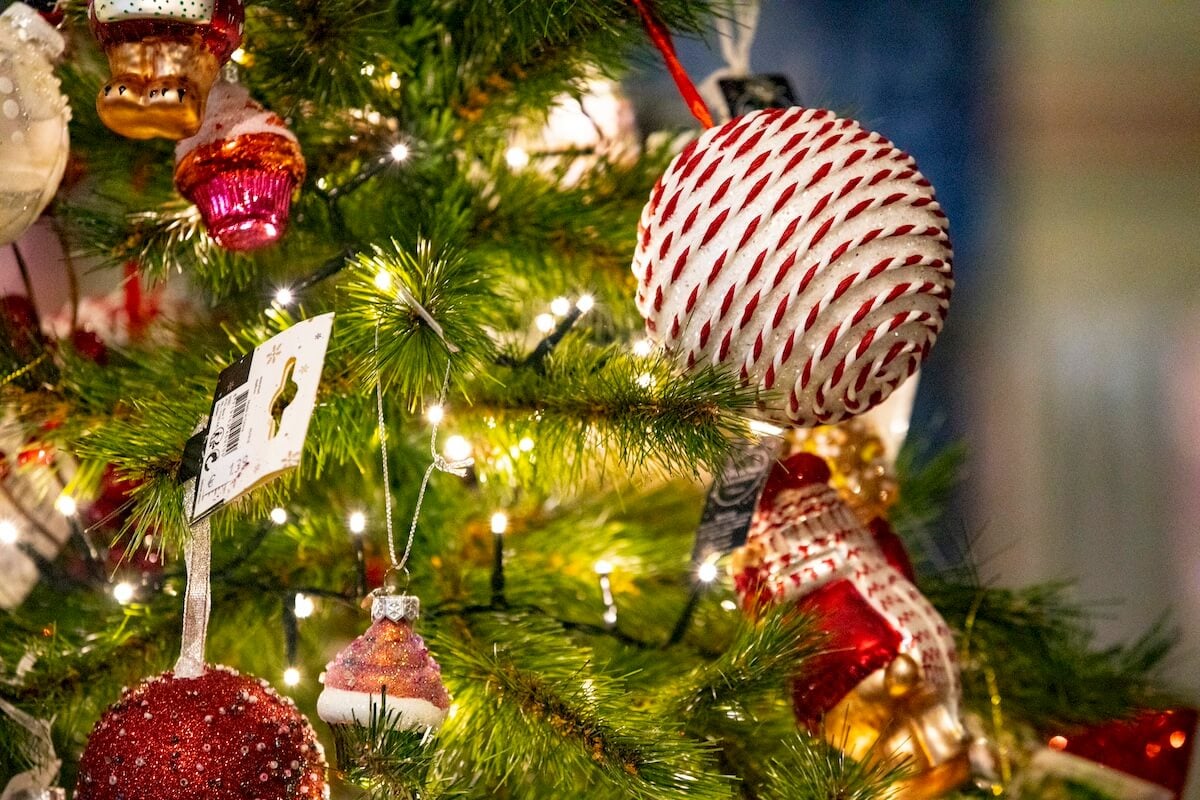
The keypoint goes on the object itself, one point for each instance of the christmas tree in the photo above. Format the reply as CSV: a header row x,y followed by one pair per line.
x,y
506,422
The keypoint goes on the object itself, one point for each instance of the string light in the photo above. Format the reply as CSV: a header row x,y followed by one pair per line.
x,y
457,448
304,606
123,593
516,157
435,414
393,81
560,306
284,296
400,152
603,567
358,522
278,515
65,505
707,573
729,605
643,348
238,56
499,523
604,570
544,322
525,445
9,533
383,278
585,303
291,676
645,380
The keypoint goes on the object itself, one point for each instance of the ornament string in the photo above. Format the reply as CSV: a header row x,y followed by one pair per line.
x,y
661,37
35,782
197,600
438,462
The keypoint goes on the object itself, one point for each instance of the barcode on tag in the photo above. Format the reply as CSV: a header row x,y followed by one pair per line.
x,y
240,404
734,497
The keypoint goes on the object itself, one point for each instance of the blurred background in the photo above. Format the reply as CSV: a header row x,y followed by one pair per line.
x,y
1064,142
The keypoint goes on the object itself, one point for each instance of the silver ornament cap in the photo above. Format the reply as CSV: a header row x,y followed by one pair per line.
x,y
396,607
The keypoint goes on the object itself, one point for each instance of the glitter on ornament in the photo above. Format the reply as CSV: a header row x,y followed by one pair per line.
x,y
164,56
802,252
387,670
240,170
33,119
221,736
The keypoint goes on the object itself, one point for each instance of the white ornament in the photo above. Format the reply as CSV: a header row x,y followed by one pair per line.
x,y
801,250
196,12
33,119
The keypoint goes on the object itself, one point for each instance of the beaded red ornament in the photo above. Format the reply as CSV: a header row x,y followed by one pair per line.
x,y
221,736
802,251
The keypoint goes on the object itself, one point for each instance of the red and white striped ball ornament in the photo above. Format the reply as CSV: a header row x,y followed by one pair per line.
x,y
801,249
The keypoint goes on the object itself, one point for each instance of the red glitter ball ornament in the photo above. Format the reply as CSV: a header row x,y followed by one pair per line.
x,y
1153,745
221,736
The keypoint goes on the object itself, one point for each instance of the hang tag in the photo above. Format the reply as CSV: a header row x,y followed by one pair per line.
x,y
734,496
756,92
1052,772
260,414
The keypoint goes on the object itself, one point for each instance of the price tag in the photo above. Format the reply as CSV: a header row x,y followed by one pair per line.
x,y
755,92
260,414
734,496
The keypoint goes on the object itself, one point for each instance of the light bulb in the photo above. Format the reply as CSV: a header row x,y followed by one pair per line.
x,y
603,567
238,56
559,306
9,533
304,606
645,380
65,505
383,280
516,157
457,448
393,82
499,522
643,348
544,322
291,676
284,296
525,445
707,573
278,515
729,605
400,152
358,522
435,414
585,303
123,592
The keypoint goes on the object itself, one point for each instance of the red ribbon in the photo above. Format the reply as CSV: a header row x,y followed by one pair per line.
x,y
662,40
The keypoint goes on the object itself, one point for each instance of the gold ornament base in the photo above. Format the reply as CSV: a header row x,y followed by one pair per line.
x,y
894,713
159,87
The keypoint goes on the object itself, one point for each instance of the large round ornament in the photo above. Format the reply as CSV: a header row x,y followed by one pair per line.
x,y
801,250
221,736
164,56
33,119
240,170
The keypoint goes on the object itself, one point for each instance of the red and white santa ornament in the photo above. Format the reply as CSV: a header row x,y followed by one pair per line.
x,y
801,250
887,681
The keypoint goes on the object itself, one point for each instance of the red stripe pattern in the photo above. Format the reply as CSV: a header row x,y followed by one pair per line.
x,y
804,252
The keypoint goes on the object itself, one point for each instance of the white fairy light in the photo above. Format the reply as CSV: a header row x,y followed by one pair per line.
x,y
400,152
123,592
358,522
729,605
457,448
291,676
9,532
707,573
393,81
367,69
544,322
303,606
585,303
284,296
643,348
65,505
238,56
499,523
603,567
610,615
645,380
559,306
525,445
383,280
516,157
435,414
278,515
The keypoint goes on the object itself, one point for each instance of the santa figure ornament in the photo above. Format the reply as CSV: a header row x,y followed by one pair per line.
x,y
802,251
887,683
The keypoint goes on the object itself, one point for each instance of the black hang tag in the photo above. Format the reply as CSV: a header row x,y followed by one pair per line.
x,y
756,92
734,496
